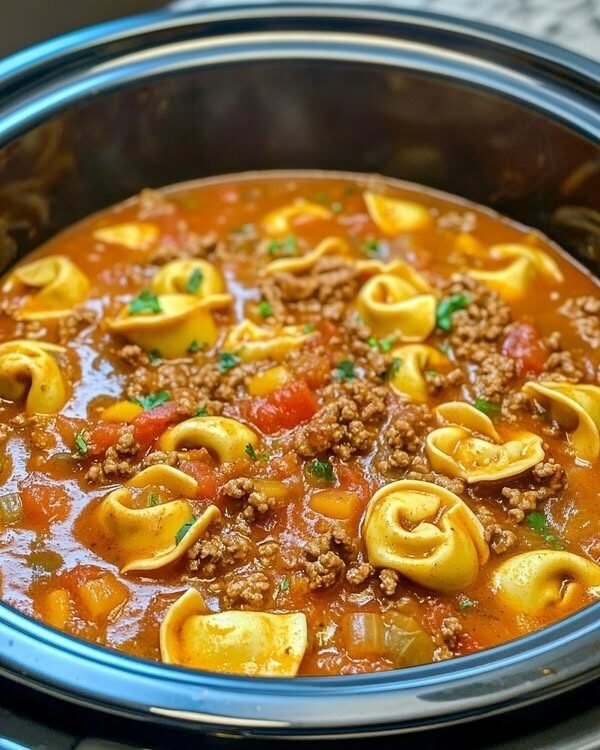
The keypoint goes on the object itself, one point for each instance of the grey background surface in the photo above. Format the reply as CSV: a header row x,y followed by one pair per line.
x,y
571,23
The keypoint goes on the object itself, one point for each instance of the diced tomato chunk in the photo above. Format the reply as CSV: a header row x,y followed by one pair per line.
x,y
43,504
204,475
102,436
152,423
524,345
282,409
73,578
466,644
352,479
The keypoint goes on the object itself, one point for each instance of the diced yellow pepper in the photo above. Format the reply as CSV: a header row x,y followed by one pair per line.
x,y
122,411
268,381
272,488
55,608
339,504
102,595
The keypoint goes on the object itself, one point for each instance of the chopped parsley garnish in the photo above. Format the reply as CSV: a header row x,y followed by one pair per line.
x,y
80,444
447,308
284,584
431,373
337,207
250,452
392,370
320,197
194,281
487,407
145,302
227,361
322,470
287,246
371,246
465,603
184,529
201,412
372,342
444,348
152,399
537,522
384,345
195,347
264,309
309,328
345,370
154,355
153,499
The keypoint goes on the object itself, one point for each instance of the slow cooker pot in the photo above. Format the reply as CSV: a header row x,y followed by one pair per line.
x,y
92,117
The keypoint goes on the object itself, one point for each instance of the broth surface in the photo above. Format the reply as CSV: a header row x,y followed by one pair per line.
x,y
337,408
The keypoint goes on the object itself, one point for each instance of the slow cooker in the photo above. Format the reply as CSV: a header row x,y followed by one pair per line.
x,y
94,116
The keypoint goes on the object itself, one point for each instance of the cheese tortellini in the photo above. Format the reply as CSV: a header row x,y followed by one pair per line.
x,y
57,283
426,533
576,408
134,235
391,304
533,582
224,437
333,246
526,265
395,215
29,372
172,326
279,221
191,276
260,644
253,343
458,450
413,361
152,537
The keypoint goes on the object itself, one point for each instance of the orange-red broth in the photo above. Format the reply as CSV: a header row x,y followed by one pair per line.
x,y
56,542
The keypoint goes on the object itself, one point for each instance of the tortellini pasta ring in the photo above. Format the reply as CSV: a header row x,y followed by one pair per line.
x,y
29,371
525,266
576,408
224,437
396,215
457,450
176,481
148,538
134,235
329,246
532,582
61,287
182,319
189,276
253,343
413,360
279,221
260,644
399,268
426,533
388,304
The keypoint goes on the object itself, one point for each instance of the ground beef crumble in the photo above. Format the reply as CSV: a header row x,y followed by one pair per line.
x,y
403,438
324,558
584,313
244,590
254,500
546,481
217,552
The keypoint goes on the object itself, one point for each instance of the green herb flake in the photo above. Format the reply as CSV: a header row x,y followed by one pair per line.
x,y
80,444
386,344
444,348
447,308
152,400
372,342
431,373
487,407
371,246
345,370
286,247
242,229
264,457
201,412
537,522
465,603
154,356
264,309
227,361
195,347
250,452
337,207
153,500
145,302
284,585
392,370
322,470
184,529
320,197
194,281
309,328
